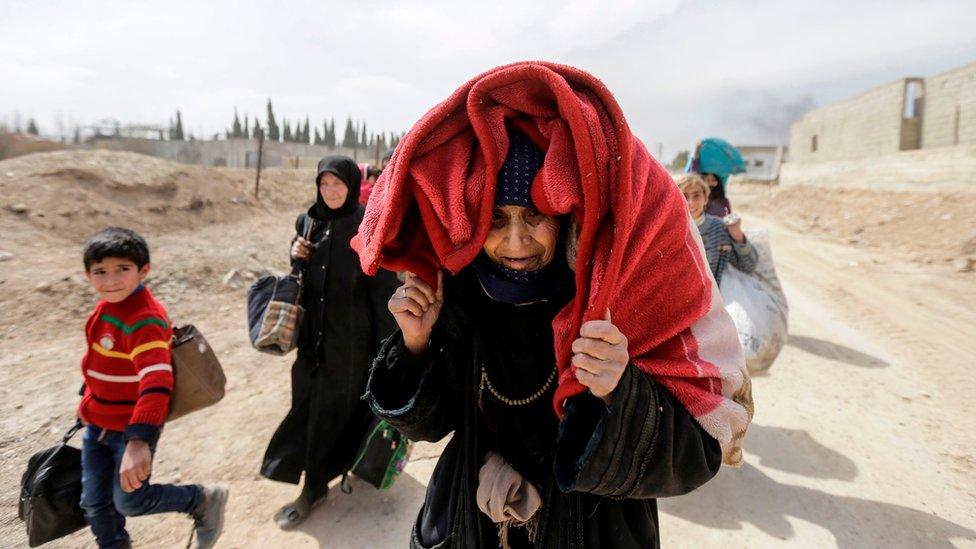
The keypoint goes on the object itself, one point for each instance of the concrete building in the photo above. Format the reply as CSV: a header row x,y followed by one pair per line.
x,y
762,161
908,114
913,131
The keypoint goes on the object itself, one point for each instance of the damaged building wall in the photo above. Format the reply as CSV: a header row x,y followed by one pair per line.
x,y
950,108
908,114
863,126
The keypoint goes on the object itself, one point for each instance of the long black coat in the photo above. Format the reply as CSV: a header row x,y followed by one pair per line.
x,y
607,464
346,319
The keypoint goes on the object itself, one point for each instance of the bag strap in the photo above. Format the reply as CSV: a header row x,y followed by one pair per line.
x,y
31,471
71,432
307,225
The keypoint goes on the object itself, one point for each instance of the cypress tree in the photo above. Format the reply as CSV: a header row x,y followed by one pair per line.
x,y
177,129
273,133
349,139
236,130
286,136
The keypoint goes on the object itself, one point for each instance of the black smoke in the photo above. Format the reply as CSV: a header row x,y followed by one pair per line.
x,y
763,118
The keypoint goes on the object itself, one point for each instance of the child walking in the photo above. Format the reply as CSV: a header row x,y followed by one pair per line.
x,y
128,380
724,241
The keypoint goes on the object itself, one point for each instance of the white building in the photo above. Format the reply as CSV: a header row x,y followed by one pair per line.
x,y
762,161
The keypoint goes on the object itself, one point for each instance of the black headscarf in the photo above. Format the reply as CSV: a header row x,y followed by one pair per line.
x,y
347,171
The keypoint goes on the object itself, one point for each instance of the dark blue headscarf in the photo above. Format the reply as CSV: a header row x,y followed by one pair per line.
x,y
514,188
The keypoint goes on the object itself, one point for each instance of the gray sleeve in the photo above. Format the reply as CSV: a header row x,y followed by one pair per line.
x,y
744,256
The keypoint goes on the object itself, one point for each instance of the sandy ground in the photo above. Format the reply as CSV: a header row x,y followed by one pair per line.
x,y
863,436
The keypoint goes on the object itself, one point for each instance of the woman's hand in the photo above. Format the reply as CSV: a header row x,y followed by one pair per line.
x,y
301,249
136,465
416,306
600,356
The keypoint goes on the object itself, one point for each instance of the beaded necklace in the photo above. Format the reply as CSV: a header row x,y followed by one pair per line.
x,y
486,383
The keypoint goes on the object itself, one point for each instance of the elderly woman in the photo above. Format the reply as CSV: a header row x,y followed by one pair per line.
x,y
345,320
561,323
496,316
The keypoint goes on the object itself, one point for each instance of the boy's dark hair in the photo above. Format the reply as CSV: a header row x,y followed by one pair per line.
x,y
116,242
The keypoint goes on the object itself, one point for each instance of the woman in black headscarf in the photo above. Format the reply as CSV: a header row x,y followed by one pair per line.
x,y
476,357
345,320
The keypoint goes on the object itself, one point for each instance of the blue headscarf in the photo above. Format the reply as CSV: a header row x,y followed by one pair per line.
x,y
717,157
514,188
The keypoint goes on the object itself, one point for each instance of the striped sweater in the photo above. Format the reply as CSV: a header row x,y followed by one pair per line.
x,y
720,249
127,368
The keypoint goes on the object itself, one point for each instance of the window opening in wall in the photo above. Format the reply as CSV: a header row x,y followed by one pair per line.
x,y
813,144
913,100
759,163
913,112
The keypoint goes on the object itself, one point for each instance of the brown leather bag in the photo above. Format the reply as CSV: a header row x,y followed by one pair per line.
x,y
198,379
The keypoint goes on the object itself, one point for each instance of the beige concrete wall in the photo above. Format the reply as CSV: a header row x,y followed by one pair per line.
x,y
949,116
863,126
761,161
231,152
939,167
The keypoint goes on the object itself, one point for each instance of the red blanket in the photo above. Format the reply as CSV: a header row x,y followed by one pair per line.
x,y
638,253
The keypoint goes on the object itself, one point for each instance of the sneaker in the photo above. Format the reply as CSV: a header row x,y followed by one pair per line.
x,y
208,518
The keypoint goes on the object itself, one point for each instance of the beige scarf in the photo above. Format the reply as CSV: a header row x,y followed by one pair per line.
x,y
507,498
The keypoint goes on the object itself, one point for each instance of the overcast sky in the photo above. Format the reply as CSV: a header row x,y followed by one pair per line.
x,y
680,69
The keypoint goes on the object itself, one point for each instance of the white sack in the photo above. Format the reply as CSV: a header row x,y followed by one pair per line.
x,y
758,306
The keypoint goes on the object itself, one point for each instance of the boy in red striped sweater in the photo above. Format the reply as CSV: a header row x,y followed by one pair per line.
x,y
128,380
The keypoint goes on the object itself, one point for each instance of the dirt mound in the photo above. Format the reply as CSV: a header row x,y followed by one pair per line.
x,y
17,144
201,224
928,227
70,194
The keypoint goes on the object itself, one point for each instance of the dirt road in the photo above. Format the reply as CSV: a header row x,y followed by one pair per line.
x,y
864,434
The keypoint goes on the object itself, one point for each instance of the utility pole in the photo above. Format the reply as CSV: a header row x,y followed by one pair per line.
x,y
257,181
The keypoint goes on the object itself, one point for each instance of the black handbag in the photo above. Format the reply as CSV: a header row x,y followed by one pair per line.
x,y
383,455
274,309
50,492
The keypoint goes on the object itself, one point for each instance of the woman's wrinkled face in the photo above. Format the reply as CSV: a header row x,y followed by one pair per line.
x,y
522,239
333,190
695,197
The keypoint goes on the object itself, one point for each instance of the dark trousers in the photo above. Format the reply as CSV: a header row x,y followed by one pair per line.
x,y
105,503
